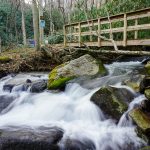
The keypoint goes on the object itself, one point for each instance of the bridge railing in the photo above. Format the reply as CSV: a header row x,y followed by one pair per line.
x,y
127,29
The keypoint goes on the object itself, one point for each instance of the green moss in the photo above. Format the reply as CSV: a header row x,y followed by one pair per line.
x,y
122,107
135,86
116,106
102,69
145,148
58,83
147,93
147,67
4,59
141,119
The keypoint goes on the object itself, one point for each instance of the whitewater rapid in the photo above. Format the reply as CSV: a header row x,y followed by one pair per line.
x,y
73,112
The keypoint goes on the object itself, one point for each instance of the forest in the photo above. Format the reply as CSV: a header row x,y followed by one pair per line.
x,y
16,16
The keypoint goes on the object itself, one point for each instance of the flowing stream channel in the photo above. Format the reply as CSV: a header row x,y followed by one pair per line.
x,y
71,112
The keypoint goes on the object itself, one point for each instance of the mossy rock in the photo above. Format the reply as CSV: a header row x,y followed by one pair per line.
x,y
147,93
111,101
141,119
147,67
145,148
83,66
102,69
4,59
134,85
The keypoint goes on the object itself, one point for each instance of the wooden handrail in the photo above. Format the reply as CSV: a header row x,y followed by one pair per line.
x,y
123,18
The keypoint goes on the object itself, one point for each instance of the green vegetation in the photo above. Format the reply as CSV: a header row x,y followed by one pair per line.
x,y
4,59
55,39
113,8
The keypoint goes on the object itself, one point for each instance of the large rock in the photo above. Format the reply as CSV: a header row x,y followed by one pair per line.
x,y
23,81
144,84
74,144
30,139
134,82
113,101
141,119
38,86
147,93
83,66
147,68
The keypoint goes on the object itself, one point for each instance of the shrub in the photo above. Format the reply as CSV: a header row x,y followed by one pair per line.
x,y
55,39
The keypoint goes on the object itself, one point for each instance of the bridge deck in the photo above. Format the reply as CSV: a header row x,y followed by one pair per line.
x,y
127,29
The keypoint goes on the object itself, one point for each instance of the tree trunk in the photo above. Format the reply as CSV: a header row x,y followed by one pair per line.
x,y
23,23
35,12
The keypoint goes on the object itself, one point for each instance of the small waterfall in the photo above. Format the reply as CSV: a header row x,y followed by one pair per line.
x,y
73,112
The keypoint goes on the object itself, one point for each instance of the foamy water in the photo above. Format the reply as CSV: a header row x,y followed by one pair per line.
x,y
72,111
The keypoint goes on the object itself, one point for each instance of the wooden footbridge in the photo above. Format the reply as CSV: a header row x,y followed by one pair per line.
x,y
128,29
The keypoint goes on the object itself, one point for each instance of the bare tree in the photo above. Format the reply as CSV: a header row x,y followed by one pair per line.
x,y
23,22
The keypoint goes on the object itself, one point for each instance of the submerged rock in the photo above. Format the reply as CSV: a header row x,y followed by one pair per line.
x,y
84,66
5,101
113,101
30,139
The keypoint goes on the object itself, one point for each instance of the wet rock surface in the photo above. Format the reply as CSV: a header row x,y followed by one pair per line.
x,y
38,86
113,101
75,144
83,66
5,101
16,138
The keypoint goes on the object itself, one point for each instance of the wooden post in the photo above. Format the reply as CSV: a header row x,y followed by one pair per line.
x,y
125,31
136,32
65,38
91,32
99,32
79,35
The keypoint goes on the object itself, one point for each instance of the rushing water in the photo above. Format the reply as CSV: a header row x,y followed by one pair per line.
x,y
73,112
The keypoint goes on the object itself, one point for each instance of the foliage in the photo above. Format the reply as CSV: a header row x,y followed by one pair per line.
x,y
113,8
55,39
57,20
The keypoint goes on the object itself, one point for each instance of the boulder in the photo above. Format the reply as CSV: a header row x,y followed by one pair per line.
x,y
113,101
145,105
83,66
141,119
144,84
74,144
38,86
147,68
30,139
134,82
22,81
147,93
